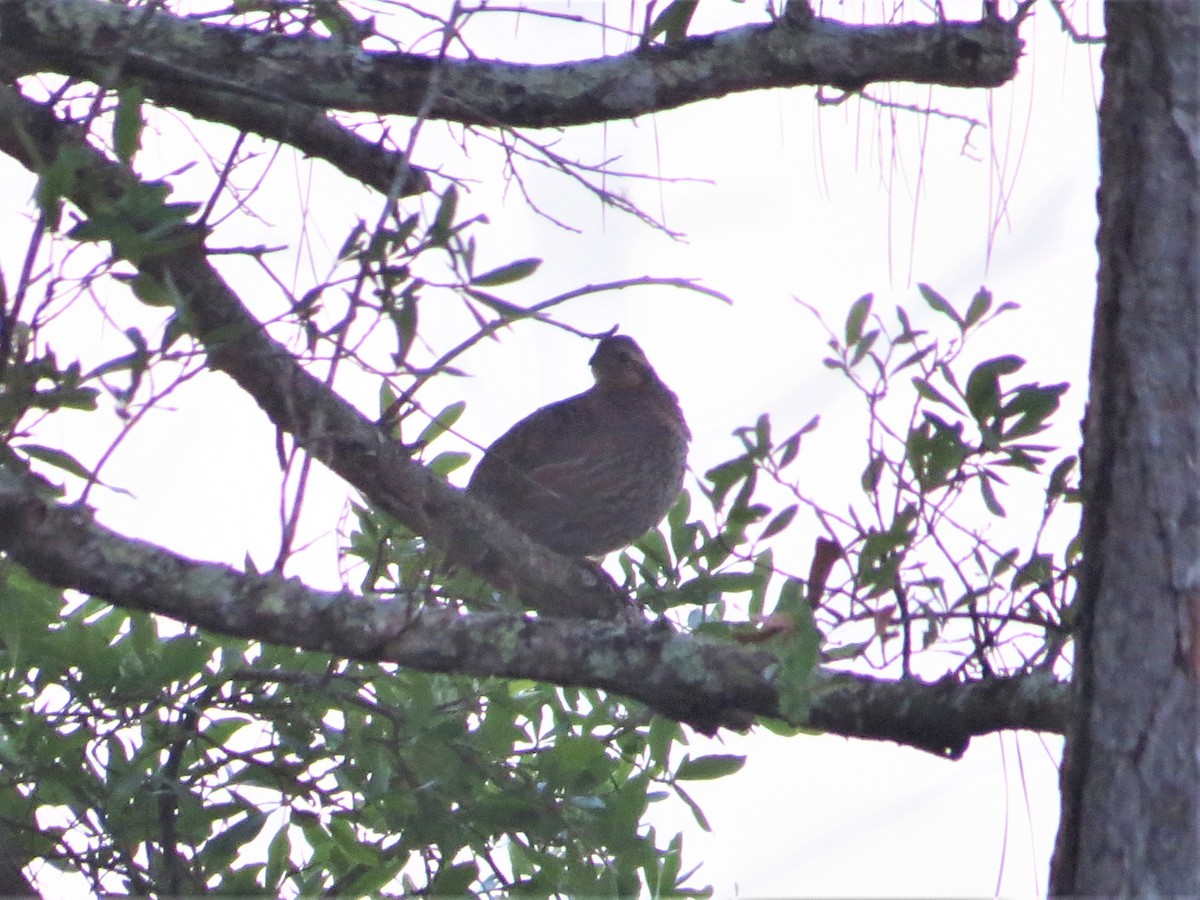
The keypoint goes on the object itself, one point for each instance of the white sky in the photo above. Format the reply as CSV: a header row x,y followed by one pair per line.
x,y
800,205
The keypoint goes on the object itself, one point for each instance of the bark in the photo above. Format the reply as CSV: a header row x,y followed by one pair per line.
x,y
185,62
1131,772
706,683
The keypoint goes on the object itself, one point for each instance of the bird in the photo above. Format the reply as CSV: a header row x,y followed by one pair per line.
x,y
592,473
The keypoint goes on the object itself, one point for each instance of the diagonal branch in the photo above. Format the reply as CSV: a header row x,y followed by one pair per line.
x,y
704,683
308,129
298,125
321,421
82,39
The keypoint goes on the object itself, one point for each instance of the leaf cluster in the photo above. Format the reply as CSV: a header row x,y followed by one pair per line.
x,y
158,754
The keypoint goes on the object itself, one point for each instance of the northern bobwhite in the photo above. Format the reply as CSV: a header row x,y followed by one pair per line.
x,y
590,474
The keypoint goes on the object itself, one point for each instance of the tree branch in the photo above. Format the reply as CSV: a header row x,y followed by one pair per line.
x,y
297,125
294,124
690,679
200,63
323,423
704,683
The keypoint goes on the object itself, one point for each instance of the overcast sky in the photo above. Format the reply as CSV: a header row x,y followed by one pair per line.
x,y
791,201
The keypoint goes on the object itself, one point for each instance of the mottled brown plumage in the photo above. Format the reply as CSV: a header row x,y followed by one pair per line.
x,y
590,474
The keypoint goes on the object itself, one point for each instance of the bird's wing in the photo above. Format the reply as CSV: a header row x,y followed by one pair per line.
x,y
554,447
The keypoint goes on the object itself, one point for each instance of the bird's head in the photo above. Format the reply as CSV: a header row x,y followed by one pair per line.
x,y
620,363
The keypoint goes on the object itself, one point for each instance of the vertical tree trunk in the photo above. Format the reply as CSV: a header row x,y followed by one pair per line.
x,y
1131,772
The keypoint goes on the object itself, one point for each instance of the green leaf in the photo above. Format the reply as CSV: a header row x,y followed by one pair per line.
x,y
450,461
1004,563
857,317
790,448
506,309
451,881
707,768
870,475
1057,485
980,304
989,497
353,242
913,358
935,451
782,728
441,423
67,398
227,844
134,362
762,436
983,386
387,399
846,651
781,521
726,475
443,220
57,181
1038,571
128,122
404,318
653,546
1034,404
797,661
929,392
697,812
278,851
907,334
863,347
940,304
173,330
514,271
345,837
683,534
672,22
668,869
728,582
60,459
798,657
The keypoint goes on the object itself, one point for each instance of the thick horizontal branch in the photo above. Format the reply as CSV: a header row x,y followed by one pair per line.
x,y
97,41
320,420
705,683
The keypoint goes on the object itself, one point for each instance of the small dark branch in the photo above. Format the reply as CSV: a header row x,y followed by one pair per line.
x,y
971,122
213,65
297,125
176,876
906,652
1069,27
11,317
704,683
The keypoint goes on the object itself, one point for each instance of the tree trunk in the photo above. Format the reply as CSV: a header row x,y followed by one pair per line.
x,y
1131,771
